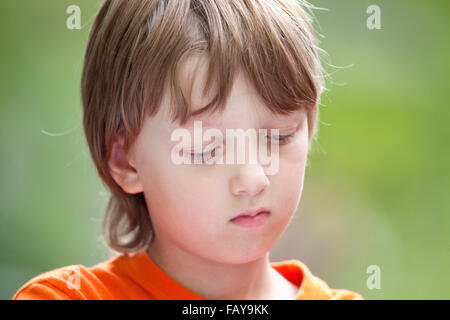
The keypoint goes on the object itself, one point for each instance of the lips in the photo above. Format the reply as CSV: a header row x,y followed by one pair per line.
x,y
251,219
251,213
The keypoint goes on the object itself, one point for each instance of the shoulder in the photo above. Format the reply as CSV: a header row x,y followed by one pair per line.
x,y
343,294
311,287
320,290
73,282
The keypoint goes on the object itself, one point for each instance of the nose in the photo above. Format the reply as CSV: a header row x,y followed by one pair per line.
x,y
249,179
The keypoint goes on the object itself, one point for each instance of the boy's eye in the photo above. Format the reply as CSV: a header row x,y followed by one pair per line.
x,y
203,156
281,139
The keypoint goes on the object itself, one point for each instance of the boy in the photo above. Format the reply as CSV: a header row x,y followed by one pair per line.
x,y
196,229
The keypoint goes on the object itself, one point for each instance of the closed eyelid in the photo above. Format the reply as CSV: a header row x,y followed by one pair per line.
x,y
287,130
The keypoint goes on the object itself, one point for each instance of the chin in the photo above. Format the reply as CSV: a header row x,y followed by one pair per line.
x,y
246,255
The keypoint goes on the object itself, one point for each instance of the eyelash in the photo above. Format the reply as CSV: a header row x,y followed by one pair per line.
x,y
202,155
282,140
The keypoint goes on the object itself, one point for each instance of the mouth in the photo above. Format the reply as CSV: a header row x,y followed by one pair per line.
x,y
254,218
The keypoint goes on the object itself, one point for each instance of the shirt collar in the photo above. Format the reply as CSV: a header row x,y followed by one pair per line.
x,y
162,286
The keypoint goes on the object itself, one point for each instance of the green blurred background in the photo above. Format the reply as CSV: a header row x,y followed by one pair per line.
x,y
377,185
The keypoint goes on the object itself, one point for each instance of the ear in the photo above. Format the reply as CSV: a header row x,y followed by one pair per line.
x,y
122,168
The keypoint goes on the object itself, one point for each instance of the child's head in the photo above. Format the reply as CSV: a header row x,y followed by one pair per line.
x,y
152,66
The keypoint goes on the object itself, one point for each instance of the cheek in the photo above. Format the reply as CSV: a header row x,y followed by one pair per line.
x,y
181,198
187,212
293,157
288,183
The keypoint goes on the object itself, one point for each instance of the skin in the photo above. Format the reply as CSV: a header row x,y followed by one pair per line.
x,y
191,205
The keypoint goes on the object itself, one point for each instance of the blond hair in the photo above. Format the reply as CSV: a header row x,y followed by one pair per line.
x,y
135,47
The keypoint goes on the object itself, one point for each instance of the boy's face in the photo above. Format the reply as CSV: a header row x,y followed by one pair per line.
x,y
191,205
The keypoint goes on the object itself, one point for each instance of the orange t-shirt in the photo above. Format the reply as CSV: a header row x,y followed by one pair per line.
x,y
137,277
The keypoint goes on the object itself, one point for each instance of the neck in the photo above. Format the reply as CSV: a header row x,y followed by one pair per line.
x,y
254,280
